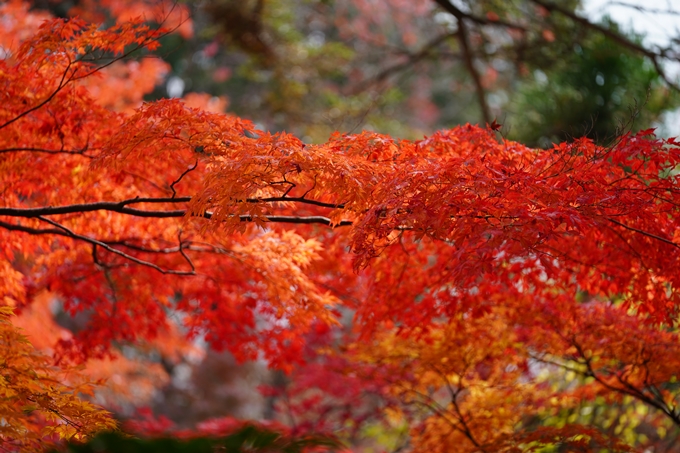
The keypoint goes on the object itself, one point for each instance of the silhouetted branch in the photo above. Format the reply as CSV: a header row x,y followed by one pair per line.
x,y
645,233
644,9
412,58
301,220
121,207
188,170
46,151
464,41
481,20
72,234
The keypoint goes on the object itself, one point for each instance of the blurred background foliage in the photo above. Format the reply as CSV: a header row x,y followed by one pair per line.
x,y
596,89
248,438
312,67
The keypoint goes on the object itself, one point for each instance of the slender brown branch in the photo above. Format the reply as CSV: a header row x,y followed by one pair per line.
x,y
137,200
186,245
645,233
626,389
35,231
644,9
114,250
461,426
95,257
301,199
454,402
74,76
412,58
62,83
46,151
299,220
464,40
188,170
183,253
481,20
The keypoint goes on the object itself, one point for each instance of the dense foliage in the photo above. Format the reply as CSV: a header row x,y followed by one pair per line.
x,y
462,291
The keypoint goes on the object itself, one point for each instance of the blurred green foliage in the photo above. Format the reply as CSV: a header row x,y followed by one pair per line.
x,y
249,439
598,90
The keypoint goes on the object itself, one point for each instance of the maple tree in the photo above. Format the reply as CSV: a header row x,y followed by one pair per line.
x,y
473,267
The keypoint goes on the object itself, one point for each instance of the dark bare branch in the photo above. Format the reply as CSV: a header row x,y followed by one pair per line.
x,y
188,170
46,151
183,253
121,207
464,40
644,9
62,83
300,220
35,231
481,20
114,250
412,58
74,76
644,233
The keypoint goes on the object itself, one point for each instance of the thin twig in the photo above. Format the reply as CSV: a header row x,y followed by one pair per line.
x,y
644,9
73,77
645,233
105,246
183,253
464,40
413,58
190,169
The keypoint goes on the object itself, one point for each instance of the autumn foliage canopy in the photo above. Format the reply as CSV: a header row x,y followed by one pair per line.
x,y
434,288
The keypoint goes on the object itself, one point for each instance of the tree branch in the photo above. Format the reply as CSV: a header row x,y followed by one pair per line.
x,y
35,231
413,58
114,250
74,76
301,220
62,83
626,389
479,19
645,233
644,9
120,207
174,183
46,151
464,41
